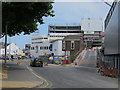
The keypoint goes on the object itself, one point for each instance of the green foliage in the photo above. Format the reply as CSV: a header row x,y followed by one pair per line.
x,y
23,16
72,57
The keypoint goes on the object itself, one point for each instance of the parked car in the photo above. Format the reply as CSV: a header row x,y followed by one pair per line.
x,y
0,57
7,57
36,62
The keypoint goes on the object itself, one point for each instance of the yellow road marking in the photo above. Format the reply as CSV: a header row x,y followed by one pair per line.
x,y
17,84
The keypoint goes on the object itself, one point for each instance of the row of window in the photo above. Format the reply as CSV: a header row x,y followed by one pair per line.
x,y
44,48
65,31
57,36
36,42
39,38
40,48
72,45
68,27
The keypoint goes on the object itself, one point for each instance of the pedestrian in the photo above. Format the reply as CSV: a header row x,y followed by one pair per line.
x,y
11,57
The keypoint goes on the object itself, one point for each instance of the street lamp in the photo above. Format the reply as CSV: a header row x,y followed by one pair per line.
x,y
6,42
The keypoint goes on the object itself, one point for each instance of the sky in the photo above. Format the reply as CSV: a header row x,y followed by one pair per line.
x,y
66,13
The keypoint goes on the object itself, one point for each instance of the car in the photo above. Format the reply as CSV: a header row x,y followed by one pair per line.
x,y
36,62
7,57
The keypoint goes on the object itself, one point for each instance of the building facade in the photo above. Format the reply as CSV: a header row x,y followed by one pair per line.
x,y
57,48
40,45
91,24
27,49
93,39
60,31
93,31
73,44
12,49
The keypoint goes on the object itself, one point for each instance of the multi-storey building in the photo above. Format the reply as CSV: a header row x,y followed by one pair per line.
x,y
40,44
60,31
93,29
93,39
27,49
91,24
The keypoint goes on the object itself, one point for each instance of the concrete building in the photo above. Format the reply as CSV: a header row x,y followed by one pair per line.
x,y
93,29
91,24
27,49
60,31
93,39
40,45
57,47
73,44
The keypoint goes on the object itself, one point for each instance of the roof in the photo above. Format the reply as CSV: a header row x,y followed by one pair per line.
x,y
55,40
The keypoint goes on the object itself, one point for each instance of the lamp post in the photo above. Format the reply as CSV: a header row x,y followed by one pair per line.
x,y
6,43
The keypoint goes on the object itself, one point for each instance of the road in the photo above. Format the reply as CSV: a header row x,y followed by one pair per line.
x,y
82,76
74,77
89,59
58,76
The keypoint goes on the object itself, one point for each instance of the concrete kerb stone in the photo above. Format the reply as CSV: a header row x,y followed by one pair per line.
x,y
44,81
39,85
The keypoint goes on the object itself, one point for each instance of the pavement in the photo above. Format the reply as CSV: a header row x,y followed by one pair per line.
x,y
19,76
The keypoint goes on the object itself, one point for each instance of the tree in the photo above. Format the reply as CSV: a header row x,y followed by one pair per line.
x,y
23,16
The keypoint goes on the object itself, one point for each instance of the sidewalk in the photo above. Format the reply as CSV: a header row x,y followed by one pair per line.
x,y
18,76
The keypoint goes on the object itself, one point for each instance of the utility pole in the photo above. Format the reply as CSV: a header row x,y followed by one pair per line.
x,y
6,43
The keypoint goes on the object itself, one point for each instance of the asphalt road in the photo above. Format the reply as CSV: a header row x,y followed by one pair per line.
x,y
83,76
74,77
89,59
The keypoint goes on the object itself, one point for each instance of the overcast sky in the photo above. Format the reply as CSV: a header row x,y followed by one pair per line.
x,y
66,13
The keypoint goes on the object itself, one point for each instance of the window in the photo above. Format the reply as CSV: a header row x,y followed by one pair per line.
x,y
72,45
63,45
40,48
36,49
32,48
47,47
45,38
